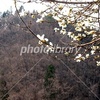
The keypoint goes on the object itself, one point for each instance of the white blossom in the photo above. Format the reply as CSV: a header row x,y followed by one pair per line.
x,y
56,29
51,43
92,52
70,33
87,55
63,31
79,58
39,20
41,37
78,29
94,35
98,63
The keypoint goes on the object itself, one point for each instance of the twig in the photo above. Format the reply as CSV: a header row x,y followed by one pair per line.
x,y
43,41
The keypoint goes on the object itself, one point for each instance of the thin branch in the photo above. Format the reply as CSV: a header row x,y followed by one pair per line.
x,y
43,41
46,43
82,45
75,2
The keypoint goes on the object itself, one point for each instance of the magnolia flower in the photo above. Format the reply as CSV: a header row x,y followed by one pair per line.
x,y
95,47
60,7
46,39
56,29
63,31
51,43
72,36
98,63
70,33
92,52
63,21
33,16
75,38
84,35
39,20
79,34
42,39
79,55
62,24
60,16
78,29
57,18
87,55
22,14
94,35
79,58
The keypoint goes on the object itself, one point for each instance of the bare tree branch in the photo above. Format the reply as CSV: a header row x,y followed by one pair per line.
x,y
43,41
65,2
